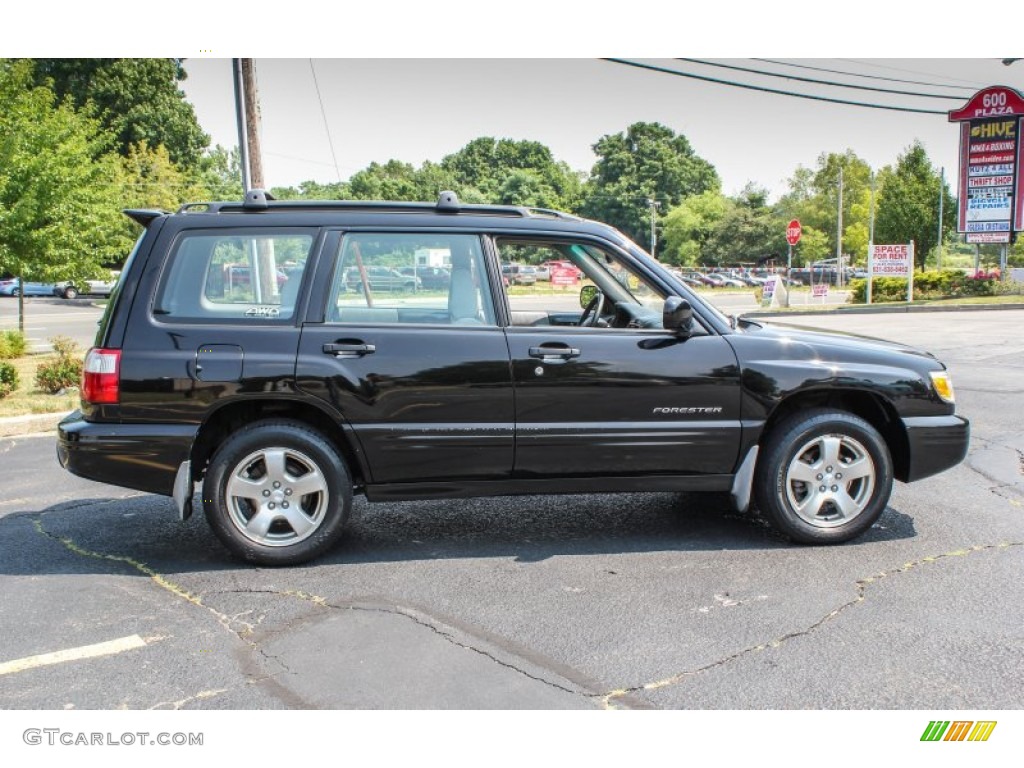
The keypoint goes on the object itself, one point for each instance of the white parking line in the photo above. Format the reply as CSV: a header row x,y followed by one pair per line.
x,y
108,648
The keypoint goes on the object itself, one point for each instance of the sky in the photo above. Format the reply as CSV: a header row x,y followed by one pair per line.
x,y
423,109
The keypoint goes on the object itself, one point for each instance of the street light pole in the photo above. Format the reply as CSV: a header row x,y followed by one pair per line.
x,y
942,188
839,233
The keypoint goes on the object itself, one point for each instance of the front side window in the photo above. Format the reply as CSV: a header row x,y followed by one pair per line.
x,y
425,278
251,276
576,283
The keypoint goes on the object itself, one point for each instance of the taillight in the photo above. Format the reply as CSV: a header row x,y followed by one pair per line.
x,y
101,376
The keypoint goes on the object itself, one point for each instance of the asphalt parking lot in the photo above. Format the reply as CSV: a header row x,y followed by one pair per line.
x,y
638,601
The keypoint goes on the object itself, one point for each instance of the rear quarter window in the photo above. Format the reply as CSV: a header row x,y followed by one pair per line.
x,y
231,275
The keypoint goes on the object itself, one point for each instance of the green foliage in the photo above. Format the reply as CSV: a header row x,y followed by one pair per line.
x,y
745,233
136,100
646,162
813,198
59,191
935,284
510,172
8,379
689,226
12,344
908,204
63,373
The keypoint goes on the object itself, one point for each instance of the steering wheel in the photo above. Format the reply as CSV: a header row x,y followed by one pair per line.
x,y
593,311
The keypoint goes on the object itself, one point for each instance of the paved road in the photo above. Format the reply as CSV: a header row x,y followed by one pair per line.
x,y
646,600
46,318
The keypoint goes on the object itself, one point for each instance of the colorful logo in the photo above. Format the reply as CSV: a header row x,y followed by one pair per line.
x,y
958,730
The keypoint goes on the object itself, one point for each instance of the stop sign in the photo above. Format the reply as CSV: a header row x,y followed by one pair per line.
x,y
793,232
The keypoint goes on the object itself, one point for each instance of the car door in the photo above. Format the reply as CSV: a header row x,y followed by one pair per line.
x,y
421,378
599,401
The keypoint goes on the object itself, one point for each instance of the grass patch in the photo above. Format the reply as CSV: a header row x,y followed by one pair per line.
x,y
1004,299
27,399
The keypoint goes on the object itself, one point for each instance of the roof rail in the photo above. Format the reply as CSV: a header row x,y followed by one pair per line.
x,y
448,202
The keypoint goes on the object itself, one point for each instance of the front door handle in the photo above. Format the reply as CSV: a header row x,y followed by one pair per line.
x,y
554,352
357,349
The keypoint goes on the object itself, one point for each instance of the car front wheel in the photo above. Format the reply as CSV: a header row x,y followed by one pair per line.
x,y
277,493
70,292
824,478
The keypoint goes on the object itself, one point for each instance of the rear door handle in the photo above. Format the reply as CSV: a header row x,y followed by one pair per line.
x,y
552,352
349,350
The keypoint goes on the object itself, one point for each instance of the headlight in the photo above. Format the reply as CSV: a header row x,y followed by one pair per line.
x,y
943,385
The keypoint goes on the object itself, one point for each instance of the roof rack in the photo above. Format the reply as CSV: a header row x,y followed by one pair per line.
x,y
257,200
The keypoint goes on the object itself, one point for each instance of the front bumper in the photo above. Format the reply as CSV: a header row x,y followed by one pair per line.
x,y
936,443
145,457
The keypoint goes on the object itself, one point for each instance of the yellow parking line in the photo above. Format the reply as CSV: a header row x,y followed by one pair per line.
x,y
73,654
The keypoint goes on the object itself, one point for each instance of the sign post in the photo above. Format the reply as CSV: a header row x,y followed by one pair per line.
x,y
793,233
990,197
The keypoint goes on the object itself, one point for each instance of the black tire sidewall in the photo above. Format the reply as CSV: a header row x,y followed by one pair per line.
x,y
284,434
780,449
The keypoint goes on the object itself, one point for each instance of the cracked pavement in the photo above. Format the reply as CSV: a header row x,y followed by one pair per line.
x,y
638,601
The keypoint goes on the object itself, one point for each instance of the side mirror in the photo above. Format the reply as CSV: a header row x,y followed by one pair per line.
x,y
677,316
587,294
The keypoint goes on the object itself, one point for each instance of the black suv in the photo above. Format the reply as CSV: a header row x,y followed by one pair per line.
x,y
285,398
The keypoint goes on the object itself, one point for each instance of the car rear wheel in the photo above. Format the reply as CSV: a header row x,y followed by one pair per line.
x,y
71,292
825,476
277,493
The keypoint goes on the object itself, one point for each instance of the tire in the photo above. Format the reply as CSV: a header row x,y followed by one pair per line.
x,y
823,449
70,292
277,493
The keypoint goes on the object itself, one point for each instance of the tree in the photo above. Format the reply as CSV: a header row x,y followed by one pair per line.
x,y
59,188
500,170
647,162
813,199
689,226
908,203
746,232
135,99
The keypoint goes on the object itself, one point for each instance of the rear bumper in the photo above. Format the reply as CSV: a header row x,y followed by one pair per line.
x,y
936,444
145,457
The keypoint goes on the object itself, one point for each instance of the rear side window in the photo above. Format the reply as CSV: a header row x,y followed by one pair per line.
x,y
234,275
424,278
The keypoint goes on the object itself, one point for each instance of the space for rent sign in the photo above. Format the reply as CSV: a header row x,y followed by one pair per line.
x,y
991,205
890,260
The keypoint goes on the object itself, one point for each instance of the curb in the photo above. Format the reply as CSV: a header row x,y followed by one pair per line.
x,y
884,309
33,423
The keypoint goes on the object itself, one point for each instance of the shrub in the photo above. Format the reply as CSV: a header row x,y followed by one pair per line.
x,y
935,284
8,379
12,344
64,372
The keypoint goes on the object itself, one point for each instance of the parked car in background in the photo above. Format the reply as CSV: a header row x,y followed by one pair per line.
x,y
519,274
543,272
384,279
72,290
12,287
431,278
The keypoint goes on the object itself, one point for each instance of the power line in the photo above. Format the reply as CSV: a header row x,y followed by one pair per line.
x,y
859,74
764,89
832,83
910,71
327,128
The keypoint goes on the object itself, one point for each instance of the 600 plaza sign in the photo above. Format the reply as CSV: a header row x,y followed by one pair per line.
x,y
990,195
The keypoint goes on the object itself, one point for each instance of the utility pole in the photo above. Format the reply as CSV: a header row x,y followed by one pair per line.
x,y
264,262
653,204
942,187
871,238
839,233
252,123
243,144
